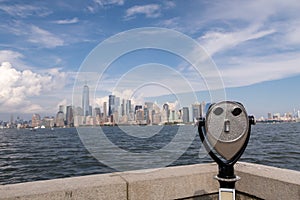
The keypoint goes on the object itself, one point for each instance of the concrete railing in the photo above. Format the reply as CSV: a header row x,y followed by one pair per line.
x,y
181,182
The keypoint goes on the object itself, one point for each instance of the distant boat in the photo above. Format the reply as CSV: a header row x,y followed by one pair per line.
x,y
43,126
33,129
180,124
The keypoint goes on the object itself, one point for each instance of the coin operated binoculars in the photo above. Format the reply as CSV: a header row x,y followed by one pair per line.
x,y
225,132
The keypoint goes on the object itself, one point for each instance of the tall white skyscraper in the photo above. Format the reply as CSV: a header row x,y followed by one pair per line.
x,y
104,110
86,101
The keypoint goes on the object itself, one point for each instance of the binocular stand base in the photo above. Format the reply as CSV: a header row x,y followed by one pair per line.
x,y
227,191
226,194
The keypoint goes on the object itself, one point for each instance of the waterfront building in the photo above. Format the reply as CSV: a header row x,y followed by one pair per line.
x,y
165,113
90,121
128,108
78,120
36,120
105,110
123,107
196,110
86,101
62,108
146,115
70,116
90,111
60,119
111,104
77,111
156,118
185,115
276,116
140,116
48,122
115,117
137,107
202,109
173,115
97,112
270,116
117,105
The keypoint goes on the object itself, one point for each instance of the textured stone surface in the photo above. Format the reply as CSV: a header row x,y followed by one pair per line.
x,y
182,182
172,183
268,182
103,186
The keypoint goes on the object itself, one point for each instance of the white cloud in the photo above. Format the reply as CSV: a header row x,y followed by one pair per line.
x,y
169,4
249,71
109,2
215,41
172,23
150,11
8,54
19,87
104,4
34,34
67,21
44,38
15,58
24,11
290,33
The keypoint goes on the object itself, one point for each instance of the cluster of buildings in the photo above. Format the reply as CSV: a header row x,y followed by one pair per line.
x,y
117,111
123,112
277,117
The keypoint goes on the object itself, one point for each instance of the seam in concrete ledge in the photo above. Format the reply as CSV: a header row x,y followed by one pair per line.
x,y
127,185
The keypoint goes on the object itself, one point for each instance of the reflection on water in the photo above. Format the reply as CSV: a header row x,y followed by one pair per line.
x,y
44,154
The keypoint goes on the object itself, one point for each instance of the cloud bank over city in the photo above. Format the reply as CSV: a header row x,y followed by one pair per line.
x,y
43,45
18,87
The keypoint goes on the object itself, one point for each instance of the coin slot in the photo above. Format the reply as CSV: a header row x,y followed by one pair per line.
x,y
227,126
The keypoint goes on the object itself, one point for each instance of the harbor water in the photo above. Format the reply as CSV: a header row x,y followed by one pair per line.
x,y
48,154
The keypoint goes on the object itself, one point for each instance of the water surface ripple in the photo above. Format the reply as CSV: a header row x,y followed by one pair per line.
x,y
44,154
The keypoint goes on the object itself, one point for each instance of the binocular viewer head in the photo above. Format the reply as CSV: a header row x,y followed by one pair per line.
x,y
226,130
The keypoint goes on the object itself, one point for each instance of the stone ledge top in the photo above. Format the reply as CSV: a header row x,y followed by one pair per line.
x,y
180,182
285,175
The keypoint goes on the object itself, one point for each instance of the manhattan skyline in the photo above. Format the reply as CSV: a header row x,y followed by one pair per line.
x,y
43,45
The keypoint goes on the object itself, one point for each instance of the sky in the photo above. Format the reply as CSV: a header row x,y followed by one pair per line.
x,y
252,47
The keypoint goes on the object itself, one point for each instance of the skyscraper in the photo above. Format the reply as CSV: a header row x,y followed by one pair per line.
x,y
165,113
36,120
85,101
128,107
111,104
97,112
196,111
185,115
104,110
123,107
70,116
